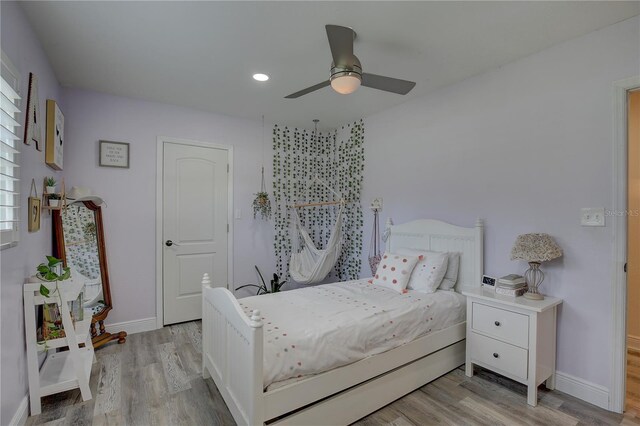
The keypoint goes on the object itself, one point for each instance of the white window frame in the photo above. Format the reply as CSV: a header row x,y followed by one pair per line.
x,y
10,88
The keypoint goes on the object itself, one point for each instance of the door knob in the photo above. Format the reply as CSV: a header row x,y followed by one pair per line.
x,y
170,243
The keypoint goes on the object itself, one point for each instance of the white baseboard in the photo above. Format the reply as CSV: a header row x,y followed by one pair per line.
x,y
21,414
133,327
582,389
633,341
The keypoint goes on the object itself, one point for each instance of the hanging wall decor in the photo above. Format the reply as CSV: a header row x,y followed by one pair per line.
x,y
32,129
262,203
55,135
335,157
114,154
34,208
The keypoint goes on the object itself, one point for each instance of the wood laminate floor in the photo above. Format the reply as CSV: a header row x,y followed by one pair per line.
x,y
154,379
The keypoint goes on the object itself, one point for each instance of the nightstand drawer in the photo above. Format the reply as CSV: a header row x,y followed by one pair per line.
x,y
505,325
499,355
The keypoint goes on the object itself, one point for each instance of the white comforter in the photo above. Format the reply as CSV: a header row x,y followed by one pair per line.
x,y
315,329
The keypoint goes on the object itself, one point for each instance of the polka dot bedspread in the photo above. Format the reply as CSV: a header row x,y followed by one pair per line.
x,y
315,329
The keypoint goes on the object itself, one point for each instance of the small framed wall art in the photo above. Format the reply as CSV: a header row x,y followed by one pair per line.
x,y
114,154
32,132
34,207
55,135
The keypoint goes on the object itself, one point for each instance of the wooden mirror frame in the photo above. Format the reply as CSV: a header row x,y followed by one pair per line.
x,y
102,337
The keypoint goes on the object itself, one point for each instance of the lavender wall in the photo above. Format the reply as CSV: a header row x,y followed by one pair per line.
x,y
130,194
24,51
524,147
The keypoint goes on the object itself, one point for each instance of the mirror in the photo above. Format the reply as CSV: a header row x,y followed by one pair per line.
x,y
79,242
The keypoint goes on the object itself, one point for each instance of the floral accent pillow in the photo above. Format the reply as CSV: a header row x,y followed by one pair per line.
x,y
394,271
429,271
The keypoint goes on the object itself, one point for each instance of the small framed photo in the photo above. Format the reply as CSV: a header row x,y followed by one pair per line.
x,y
488,282
54,147
34,214
114,154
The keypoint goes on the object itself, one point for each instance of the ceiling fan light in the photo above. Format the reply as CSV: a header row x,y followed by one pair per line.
x,y
346,83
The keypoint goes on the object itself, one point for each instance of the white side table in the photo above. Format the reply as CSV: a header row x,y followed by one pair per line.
x,y
61,371
514,337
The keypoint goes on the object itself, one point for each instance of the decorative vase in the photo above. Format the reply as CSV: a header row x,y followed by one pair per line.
x,y
54,203
51,189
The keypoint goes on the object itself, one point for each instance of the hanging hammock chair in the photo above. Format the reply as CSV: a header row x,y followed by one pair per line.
x,y
310,265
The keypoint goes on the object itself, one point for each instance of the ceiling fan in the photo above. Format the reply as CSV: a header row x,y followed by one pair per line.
x,y
346,71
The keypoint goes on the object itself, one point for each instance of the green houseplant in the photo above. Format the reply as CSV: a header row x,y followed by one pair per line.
x,y
52,271
274,287
50,184
262,205
54,200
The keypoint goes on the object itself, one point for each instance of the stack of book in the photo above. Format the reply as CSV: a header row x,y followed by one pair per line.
x,y
511,285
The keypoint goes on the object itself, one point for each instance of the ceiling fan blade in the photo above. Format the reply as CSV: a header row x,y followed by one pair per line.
x,y
388,84
308,90
341,44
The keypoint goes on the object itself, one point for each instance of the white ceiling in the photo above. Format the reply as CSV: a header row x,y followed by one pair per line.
x,y
203,54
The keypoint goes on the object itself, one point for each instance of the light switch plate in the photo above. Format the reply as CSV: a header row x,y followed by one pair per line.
x,y
238,214
592,216
376,203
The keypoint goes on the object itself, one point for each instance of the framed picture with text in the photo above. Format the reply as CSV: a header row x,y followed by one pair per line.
x,y
114,154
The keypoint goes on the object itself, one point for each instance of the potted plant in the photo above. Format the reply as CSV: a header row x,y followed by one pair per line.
x,y
262,205
50,184
275,284
52,271
54,200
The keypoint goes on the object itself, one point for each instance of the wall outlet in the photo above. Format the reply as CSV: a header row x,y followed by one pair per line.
x,y
376,203
592,216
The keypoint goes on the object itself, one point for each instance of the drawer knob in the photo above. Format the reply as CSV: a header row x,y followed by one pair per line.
x,y
497,323
495,355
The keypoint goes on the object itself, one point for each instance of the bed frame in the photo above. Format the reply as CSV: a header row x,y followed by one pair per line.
x,y
233,349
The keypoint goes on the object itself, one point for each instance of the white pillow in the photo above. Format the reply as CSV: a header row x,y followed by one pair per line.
x,y
394,271
451,276
429,271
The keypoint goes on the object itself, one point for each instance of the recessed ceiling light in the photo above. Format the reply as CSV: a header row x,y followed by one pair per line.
x,y
260,77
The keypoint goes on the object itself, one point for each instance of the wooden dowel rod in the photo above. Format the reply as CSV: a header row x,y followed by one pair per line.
x,y
324,203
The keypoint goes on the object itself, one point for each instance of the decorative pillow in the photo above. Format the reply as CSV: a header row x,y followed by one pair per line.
x,y
451,276
429,271
394,271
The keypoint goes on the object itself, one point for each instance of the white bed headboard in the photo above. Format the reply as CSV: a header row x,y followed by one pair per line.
x,y
435,235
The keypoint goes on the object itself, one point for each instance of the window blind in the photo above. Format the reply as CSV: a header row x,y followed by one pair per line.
x,y
9,154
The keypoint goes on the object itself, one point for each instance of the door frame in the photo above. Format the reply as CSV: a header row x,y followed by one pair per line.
x,y
619,277
161,140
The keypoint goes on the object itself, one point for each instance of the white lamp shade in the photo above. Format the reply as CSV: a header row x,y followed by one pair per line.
x,y
535,248
345,84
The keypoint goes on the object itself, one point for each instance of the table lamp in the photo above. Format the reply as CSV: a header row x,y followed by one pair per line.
x,y
535,249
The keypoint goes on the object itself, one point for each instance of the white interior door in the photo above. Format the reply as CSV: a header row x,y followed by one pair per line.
x,y
195,226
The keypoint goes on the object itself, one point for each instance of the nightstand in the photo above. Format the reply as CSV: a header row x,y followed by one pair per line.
x,y
514,337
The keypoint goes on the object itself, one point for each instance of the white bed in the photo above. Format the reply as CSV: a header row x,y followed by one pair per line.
x,y
262,383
